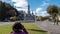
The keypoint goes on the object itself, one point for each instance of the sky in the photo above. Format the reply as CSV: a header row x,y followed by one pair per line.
x,y
38,7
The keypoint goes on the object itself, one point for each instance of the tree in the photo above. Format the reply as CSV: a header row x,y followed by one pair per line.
x,y
4,9
52,10
59,10
21,14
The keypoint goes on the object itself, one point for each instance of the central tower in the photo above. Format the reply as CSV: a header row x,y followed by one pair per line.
x,y
28,9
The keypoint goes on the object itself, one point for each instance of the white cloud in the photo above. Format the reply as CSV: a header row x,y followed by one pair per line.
x,y
44,13
40,12
14,0
20,3
33,12
44,3
22,9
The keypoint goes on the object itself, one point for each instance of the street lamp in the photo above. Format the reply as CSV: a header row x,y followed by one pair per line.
x,y
51,14
35,15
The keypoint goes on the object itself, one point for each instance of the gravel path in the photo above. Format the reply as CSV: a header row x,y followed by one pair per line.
x,y
3,23
48,26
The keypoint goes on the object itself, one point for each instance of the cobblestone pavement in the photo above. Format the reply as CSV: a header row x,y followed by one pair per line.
x,y
48,26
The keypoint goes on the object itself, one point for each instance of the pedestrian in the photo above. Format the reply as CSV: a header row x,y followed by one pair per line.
x,y
56,21
18,28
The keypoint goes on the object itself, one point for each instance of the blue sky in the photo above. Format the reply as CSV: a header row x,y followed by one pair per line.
x,y
38,6
37,3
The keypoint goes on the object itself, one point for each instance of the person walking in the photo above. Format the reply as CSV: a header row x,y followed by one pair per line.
x,y
56,20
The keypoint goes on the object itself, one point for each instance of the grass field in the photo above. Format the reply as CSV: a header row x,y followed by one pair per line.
x,y
31,28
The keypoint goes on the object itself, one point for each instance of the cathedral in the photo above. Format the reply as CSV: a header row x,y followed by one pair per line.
x,y
29,16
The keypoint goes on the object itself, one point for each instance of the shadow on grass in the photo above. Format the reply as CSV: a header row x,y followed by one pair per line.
x,y
37,30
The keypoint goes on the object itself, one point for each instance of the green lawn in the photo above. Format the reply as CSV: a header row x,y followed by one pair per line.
x,y
31,28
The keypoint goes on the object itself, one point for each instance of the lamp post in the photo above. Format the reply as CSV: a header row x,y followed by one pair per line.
x,y
51,14
24,16
35,15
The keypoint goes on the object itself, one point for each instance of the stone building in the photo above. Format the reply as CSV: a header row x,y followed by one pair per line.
x,y
29,16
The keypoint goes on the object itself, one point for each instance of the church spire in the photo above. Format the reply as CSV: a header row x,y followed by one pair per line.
x,y
28,9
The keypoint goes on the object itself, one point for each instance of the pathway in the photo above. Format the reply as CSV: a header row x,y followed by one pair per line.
x,y
3,23
51,28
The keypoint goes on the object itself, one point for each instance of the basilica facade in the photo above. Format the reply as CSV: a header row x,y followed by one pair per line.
x,y
29,16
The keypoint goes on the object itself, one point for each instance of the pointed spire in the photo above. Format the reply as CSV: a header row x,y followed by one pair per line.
x,y
28,9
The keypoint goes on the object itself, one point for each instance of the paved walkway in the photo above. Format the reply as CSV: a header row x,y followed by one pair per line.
x,y
3,23
48,26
